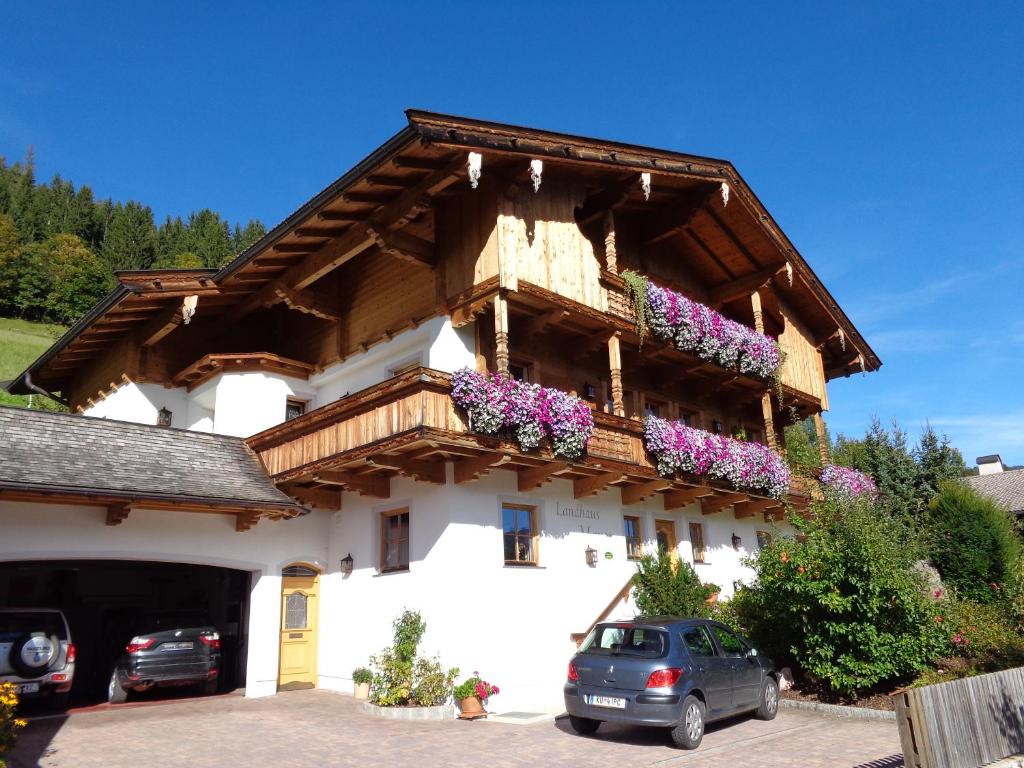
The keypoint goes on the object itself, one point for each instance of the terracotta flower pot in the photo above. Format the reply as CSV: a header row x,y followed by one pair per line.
x,y
471,708
362,691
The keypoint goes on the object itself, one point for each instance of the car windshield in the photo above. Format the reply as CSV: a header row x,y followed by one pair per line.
x,y
626,640
16,623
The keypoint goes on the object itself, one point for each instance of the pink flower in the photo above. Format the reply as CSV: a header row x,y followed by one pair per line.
x,y
938,594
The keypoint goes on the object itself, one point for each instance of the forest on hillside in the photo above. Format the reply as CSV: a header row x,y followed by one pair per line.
x,y
60,246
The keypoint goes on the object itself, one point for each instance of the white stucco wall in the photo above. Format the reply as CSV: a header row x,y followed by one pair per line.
x,y
139,403
53,532
512,624
247,403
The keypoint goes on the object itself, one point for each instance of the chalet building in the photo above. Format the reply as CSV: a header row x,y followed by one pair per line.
x,y
306,441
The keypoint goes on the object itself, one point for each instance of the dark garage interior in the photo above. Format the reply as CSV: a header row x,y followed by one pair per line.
x,y
101,597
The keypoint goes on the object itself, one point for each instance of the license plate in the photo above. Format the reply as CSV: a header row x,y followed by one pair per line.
x,y
176,646
607,701
27,688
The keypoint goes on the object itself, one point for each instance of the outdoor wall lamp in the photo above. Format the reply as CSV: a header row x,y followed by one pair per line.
x,y
163,417
346,565
736,541
591,556
589,391
716,427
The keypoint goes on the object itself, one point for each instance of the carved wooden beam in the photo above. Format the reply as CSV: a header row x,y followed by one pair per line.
x,y
160,326
750,508
308,303
634,494
676,216
744,286
366,485
537,324
776,513
392,216
594,206
245,521
118,513
320,498
400,245
424,471
535,477
678,498
711,504
473,468
589,486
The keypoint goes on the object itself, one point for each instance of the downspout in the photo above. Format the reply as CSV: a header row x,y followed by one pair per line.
x,y
27,378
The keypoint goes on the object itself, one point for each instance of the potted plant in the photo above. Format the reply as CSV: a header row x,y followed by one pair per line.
x,y
361,679
472,694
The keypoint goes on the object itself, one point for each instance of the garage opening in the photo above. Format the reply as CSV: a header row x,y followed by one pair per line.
x,y
102,599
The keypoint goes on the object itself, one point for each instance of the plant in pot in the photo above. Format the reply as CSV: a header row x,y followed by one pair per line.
x,y
361,678
472,695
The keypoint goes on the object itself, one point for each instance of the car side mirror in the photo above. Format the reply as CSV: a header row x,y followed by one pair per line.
x,y
752,653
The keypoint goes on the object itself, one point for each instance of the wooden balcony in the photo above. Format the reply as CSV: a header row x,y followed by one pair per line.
x,y
408,425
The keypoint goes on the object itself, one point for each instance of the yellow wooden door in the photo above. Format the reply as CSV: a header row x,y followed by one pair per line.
x,y
299,611
665,530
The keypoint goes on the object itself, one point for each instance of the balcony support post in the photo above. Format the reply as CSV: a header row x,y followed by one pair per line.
x,y
615,368
766,399
610,253
823,446
501,332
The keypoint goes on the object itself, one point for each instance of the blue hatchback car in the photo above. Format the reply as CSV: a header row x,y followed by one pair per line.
x,y
670,672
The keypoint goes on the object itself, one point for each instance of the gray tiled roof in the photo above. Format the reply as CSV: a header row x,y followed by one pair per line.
x,y
1005,488
65,453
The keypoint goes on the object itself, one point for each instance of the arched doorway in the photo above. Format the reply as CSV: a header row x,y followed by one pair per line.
x,y
299,613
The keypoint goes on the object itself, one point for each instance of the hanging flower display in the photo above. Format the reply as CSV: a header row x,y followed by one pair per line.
x,y
748,466
846,482
531,412
693,327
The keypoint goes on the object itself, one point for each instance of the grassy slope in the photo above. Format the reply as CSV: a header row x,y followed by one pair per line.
x,y
21,342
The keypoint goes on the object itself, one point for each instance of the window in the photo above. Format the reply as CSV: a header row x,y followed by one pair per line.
x,y
521,371
519,527
698,641
294,408
394,540
627,640
655,408
763,539
697,542
631,530
295,611
731,645
298,571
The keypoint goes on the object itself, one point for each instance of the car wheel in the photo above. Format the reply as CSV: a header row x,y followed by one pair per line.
x,y
584,726
769,707
115,693
689,733
33,653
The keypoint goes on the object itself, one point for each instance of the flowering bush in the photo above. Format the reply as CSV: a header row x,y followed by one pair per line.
x,y
710,335
846,482
9,724
498,402
475,686
679,448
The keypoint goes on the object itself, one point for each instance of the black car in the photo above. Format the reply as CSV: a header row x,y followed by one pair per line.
x,y
167,649
670,672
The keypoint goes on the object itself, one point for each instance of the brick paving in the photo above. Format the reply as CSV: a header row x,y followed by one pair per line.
x,y
320,728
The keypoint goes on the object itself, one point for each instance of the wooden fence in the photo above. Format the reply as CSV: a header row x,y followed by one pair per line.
x,y
964,723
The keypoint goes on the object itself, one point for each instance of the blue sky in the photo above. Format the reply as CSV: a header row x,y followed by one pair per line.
x,y
884,137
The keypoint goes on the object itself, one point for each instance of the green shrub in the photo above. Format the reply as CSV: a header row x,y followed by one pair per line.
x,y
432,684
984,636
974,543
362,675
399,678
844,602
666,586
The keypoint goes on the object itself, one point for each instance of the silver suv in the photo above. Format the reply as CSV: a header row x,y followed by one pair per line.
x,y
36,653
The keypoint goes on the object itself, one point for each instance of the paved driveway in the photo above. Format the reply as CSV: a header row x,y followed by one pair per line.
x,y
319,728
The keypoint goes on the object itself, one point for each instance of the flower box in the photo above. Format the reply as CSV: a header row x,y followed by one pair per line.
x,y
530,412
846,482
747,465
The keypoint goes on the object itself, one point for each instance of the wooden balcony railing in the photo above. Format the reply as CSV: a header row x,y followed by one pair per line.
x,y
409,425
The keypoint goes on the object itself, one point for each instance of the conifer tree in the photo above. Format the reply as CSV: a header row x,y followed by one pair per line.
x,y
130,239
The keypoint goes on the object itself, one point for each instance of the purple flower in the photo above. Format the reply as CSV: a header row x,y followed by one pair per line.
x,y
531,412
679,448
710,335
847,483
